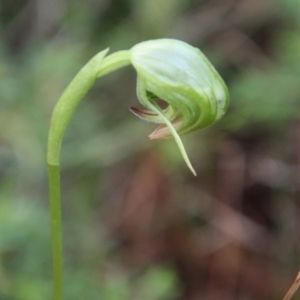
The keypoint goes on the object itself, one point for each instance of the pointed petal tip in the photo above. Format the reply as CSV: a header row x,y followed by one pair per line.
x,y
146,115
161,132
141,112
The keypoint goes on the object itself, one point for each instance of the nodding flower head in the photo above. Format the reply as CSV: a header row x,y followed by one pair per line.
x,y
167,69
183,77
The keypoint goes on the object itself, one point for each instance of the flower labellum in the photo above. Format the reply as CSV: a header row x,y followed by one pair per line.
x,y
182,76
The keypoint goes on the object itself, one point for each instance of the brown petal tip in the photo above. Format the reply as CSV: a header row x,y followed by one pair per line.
x,y
142,113
161,132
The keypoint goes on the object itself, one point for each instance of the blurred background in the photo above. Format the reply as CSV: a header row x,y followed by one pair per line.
x,y
136,223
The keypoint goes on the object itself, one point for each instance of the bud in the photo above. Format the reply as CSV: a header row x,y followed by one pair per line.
x,y
182,76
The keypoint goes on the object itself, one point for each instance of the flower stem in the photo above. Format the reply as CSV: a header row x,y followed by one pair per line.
x,y
63,111
56,234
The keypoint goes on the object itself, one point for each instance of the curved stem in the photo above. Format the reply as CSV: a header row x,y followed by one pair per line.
x,y
67,104
63,111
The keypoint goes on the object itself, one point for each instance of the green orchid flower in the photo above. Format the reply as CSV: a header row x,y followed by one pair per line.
x,y
167,69
182,76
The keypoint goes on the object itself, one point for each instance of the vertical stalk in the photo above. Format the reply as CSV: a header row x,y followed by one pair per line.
x,y
56,233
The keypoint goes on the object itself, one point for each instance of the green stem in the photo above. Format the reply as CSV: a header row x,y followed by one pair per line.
x,y
63,111
56,233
